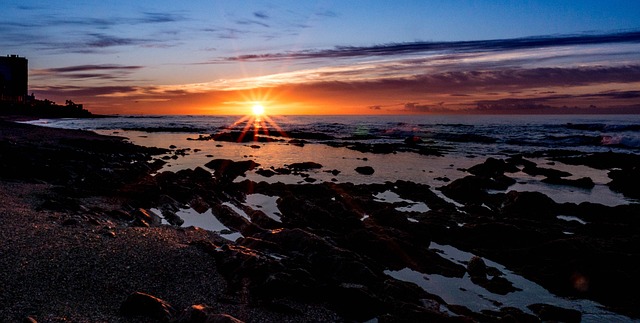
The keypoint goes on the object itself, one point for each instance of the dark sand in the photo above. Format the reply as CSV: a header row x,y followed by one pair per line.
x,y
71,261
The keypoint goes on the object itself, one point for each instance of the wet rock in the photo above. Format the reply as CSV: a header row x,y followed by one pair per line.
x,y
478,271
168,203
365,170
548,312
529,205
261,219
226,169
473,189
141,304
265,172
605,160
172,218
199,205
498,235
304,166
511,315
547,172
520,161
309,135
477,268
282,171
584,182
492,167
204,314
357,302
146,216
297,142
625,181
413,140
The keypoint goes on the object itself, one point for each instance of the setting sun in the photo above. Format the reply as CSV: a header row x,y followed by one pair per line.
x,y
257,110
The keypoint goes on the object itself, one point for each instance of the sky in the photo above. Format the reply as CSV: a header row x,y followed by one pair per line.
x,y
329,57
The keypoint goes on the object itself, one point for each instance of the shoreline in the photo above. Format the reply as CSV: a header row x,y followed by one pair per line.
x,y
87,219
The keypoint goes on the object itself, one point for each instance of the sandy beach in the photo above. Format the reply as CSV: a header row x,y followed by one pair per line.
x,y
92,231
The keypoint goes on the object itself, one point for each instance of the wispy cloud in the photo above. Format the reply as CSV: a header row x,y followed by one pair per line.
x,y
457,47
252,22
104,71
83,34
261,15
327,13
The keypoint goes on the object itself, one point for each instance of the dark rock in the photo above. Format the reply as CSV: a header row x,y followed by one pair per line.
x,y
498,235
530,205
357,302
413,140
478,271
548,312
605,160
584,182
168,203
518,160
492,167
172,218
365,170
308,135
228,169
297,142
477,268
238,136
304,166
141,304
204,314
625,181
547,172
265,172
199,205
282,171
147,216
473,189
255,146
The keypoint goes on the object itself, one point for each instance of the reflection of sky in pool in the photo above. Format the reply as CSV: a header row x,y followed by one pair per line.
x,y
461,291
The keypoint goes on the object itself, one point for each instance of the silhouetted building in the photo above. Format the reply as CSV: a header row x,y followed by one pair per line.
x,y
14,78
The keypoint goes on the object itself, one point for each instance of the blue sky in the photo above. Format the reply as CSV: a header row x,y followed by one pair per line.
x,y
108,54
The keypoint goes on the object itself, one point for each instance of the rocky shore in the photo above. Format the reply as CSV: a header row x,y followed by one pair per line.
x,y
91,233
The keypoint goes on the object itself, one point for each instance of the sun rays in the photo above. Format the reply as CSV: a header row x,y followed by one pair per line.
x,y
258,123
258,110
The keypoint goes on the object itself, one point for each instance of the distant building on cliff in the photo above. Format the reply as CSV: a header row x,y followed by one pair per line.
x,y
14,79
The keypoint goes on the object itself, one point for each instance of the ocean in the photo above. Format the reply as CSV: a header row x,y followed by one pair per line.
x,y
335,142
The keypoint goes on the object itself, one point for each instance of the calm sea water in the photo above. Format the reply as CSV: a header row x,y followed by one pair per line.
x,y
466,141
469,134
